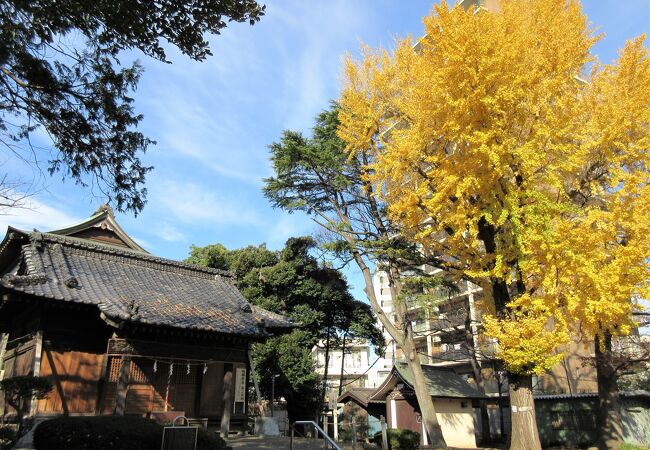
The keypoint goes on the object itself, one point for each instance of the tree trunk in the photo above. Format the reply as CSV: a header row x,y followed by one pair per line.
x,y
342,366
610,424
502,424
407,344
427,410
478,377
327,363
485,418
326,371
524,434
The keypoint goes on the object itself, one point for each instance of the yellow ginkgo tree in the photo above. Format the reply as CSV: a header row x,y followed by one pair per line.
x,y
502,145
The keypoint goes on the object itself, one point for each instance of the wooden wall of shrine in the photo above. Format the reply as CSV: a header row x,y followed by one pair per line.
x,y
92,365
196,394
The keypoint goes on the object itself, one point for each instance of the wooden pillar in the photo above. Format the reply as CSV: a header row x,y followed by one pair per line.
x,y
198,392
227,400
336,423
3,349
122,386
36,370
102,385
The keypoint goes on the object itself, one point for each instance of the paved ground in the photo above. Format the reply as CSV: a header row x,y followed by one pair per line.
x,y
274,443
282,443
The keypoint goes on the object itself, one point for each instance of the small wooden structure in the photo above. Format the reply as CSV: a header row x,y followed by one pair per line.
x,y
359,410
120,331
452,396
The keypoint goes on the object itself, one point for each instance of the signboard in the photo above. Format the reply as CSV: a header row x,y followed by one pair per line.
x,y
240,385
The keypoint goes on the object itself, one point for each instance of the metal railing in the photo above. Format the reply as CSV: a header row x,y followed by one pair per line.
x,y
326,438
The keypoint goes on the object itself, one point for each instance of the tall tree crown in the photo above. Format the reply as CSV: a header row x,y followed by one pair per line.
x,y
500,143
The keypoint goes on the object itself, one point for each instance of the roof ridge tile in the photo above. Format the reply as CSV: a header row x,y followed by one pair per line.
x,y
132,255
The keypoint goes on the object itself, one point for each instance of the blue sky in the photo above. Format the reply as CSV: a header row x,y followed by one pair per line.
x,y
213,120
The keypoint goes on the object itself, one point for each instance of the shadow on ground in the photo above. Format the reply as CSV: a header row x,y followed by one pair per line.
x,y
273,443
283,443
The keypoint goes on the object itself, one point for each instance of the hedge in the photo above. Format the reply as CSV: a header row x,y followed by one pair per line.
x,y
8,437
399,439
110,433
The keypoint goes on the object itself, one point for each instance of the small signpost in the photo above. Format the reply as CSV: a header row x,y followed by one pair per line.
x,y
180,437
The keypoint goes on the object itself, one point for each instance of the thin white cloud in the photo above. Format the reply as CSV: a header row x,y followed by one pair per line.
x,y
288,226
170,233
194,204
36,215
326,31
223,112
143,243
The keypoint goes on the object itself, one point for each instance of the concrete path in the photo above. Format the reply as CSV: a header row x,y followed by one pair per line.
x,y
274,443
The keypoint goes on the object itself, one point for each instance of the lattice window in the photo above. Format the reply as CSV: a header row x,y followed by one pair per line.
x,y
137,374
114,372
141,372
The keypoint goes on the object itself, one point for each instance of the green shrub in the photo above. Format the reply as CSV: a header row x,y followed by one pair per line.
x,y
345,435
98,433
20,390
400,439
207,440
8,437
110,432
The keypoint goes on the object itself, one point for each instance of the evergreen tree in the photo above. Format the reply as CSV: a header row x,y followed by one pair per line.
x,y
317,298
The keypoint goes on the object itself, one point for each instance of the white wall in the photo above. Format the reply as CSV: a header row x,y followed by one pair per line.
x,y
456,419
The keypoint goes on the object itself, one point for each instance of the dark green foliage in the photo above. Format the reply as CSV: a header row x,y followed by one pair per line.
x,y
209,440
309,171
241,261
60,70
316,175
20,390
290,357
98,433
8,437
400,439
293,283
110,432
17,389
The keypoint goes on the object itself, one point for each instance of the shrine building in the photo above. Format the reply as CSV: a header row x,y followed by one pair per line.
x,y
120,331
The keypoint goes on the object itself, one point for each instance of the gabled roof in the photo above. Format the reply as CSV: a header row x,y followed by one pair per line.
x,y
442,382
102,222
359,395
128,285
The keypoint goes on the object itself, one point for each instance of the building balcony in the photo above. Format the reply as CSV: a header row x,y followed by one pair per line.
x,y
421,327
447,322
450,356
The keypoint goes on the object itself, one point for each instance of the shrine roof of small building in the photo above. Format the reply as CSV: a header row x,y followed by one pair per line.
x,y
359,395
442,382
127,284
